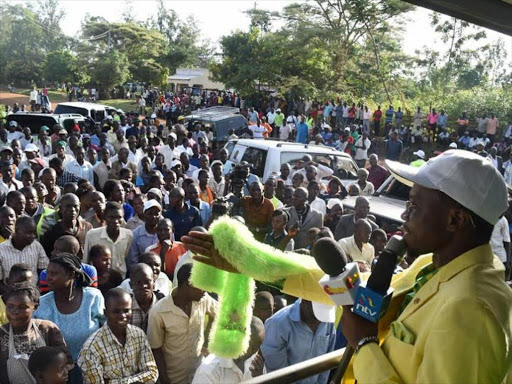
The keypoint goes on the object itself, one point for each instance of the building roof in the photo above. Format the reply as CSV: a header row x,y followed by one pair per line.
x,y
492,14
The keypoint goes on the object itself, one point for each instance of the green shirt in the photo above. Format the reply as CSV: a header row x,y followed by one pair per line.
x,y
278,120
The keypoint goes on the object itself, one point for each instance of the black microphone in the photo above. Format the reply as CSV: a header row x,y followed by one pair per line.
x,y
341,280
329,256
372,299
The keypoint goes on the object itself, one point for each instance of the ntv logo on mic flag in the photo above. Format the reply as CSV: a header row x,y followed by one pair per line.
x,y
365,305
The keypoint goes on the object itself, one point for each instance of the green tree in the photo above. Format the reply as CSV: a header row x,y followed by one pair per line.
x,y
63,67
108,70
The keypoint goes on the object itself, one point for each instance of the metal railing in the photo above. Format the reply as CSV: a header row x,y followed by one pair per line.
x,y
301,370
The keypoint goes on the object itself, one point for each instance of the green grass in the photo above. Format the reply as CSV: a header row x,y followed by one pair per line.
x,y
126,105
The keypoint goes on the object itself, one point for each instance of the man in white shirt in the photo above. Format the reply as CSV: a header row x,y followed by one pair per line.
x,y
8,183
33,99
81,167
473,142
257,130
357,247
314,201
169,150
13,134
500,240
217,183
185,147
271,116
362,146
217,370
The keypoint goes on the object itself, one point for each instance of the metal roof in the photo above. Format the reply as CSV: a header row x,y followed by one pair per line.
x,y
492,14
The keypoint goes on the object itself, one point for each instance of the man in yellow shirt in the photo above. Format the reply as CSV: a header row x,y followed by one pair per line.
x,y
455,325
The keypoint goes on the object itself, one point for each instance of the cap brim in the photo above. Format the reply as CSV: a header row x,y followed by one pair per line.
x,y
324,313
408,175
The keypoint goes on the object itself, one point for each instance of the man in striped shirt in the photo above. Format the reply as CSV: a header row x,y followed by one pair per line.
x,y
22,247
118,351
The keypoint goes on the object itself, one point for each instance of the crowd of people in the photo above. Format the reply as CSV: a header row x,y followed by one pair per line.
x,y
94,277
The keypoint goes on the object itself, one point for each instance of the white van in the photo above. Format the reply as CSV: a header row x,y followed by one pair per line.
x,y
96,112
266,157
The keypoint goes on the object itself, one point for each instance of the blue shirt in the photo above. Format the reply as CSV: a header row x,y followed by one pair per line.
x,y
389,115
441,120
302,133
128,211
393,149
141,240
78,326
290,341
464,140
183,222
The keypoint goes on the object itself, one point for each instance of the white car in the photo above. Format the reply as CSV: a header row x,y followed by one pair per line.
x,y
266,157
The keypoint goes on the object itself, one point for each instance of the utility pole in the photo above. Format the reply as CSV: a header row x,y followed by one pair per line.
x,y
108,41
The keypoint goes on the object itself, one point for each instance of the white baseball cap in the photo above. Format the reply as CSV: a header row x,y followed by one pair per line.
x,y
332,202
151,203
453,145
419,153
31,148
324,312
13,123
175,163
153,116
453,173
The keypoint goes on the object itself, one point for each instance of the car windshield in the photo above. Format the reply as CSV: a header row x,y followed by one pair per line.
x,y
344,167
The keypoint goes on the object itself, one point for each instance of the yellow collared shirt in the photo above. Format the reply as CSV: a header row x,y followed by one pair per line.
x,y
457,329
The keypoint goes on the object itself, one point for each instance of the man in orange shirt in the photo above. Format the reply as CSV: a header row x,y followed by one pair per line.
x,y
258,211
168,250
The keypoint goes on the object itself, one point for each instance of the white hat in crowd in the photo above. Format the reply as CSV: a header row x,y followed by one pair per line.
x,y
453,173
419,153
453,145
31,148
151,203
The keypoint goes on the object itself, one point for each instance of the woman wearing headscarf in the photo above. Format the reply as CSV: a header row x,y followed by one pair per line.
x,y
22,335
76,308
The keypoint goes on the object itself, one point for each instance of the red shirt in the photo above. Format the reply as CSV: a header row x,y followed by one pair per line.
x,y
172,256
377,176
377,115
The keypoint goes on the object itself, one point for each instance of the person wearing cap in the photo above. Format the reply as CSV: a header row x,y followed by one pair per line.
x,y
14,134
43,144
31,151
453,145
169,150
419,159
462,299
293,335
334,213
480,149
60,147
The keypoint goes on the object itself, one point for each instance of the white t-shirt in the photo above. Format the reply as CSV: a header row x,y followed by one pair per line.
x,y
257,132
16,135
362,154
500,234
284,131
